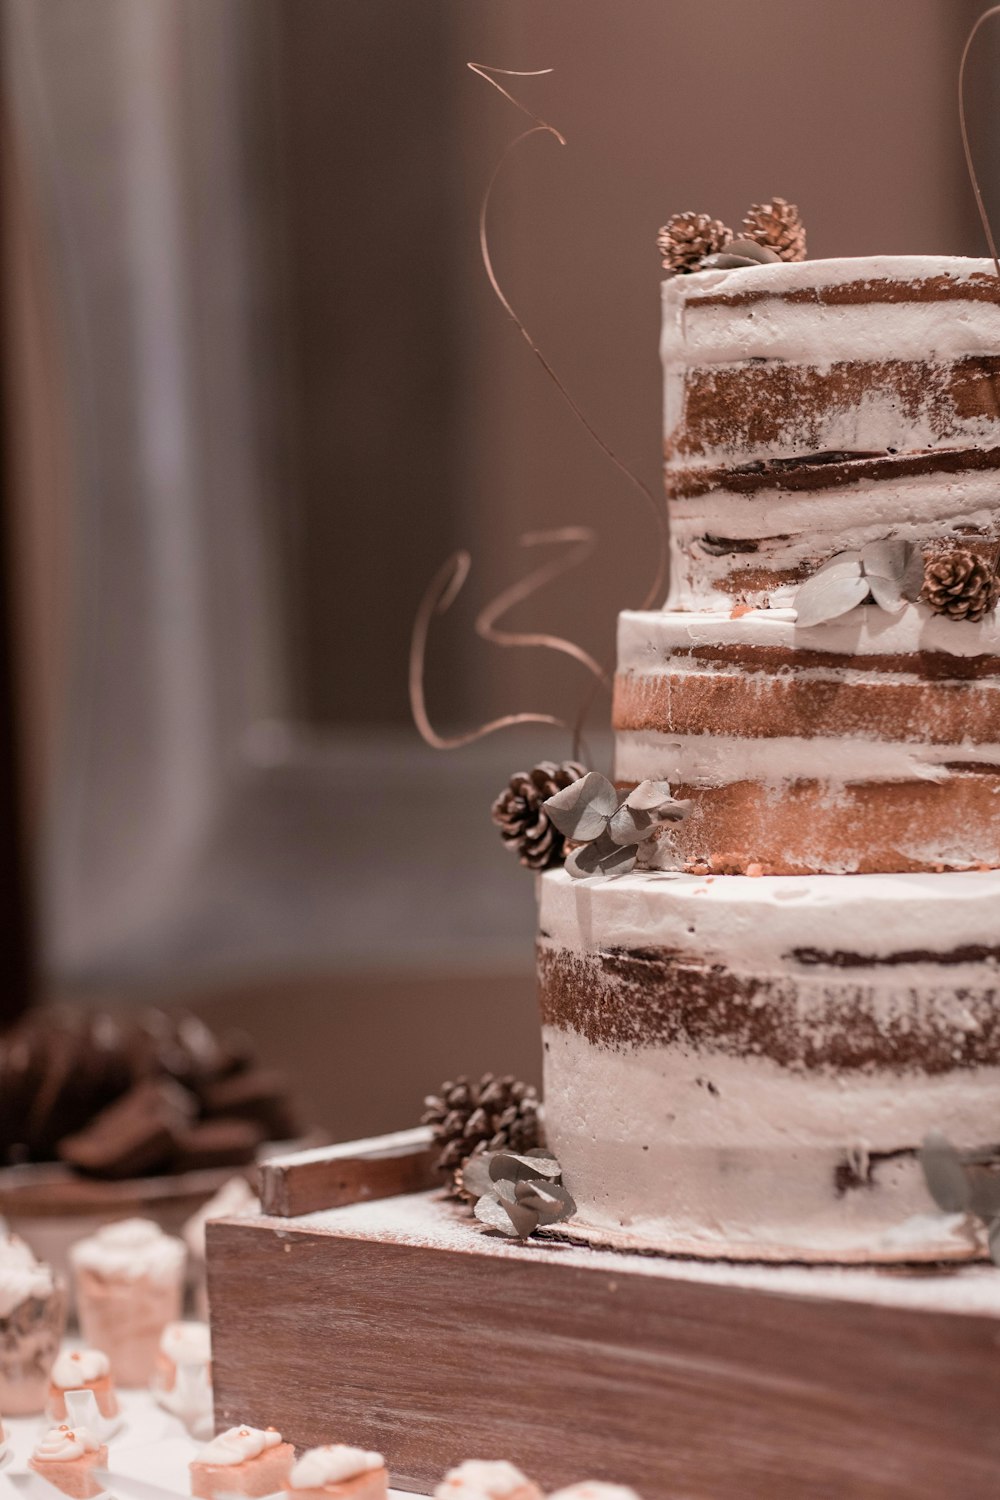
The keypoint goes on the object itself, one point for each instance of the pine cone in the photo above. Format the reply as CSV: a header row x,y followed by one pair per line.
x,y
959,584
686,239
523,822
495,1114
777,225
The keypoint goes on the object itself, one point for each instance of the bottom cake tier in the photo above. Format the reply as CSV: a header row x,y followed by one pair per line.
x,y
745,1068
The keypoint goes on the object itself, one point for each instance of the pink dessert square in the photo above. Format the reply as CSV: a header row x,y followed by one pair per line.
x,y
261,1475
374,1485
73,1476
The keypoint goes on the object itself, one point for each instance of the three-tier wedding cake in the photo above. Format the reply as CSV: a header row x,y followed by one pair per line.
x,y
748,1037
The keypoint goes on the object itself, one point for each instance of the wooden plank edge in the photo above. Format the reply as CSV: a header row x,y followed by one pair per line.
x,y
305,1182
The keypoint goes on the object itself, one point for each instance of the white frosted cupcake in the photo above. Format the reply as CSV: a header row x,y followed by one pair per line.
x,y
487,1479
32,1321
129,1286
66,1457
242,1461
81,1370
338,1472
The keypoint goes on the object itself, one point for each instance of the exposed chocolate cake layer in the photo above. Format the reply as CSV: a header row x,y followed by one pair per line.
x,y
821,472
761,705
656,998
758,410
866,291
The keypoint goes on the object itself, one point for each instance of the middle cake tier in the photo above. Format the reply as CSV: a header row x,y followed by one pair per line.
x,y
870,744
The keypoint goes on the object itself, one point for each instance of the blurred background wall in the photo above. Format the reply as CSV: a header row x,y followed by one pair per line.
x,y
258,388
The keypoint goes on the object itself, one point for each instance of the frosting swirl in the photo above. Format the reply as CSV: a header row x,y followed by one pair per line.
x,y
77,1367
128,1249
21,1275
493,1477
187,1343
332,1464
238,1444
595,1489
63,1443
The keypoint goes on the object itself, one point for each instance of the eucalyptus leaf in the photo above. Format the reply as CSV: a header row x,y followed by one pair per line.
x,y
723,261
619,860
984,1192
993,1241
649,795
944,1174
630,825
585,861
504,1190
513,1166
549,1201
885,564
582,809
510,1219
836,588
476,1178
752,250
674,811
913,578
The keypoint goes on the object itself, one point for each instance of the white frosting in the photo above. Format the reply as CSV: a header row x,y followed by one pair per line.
x,y
21,1275
76,1368
237,1445
332,1464
62,1444
495,1478
646,638
235,1199
130,1249
692,1148
715,1154
187,1343
753,924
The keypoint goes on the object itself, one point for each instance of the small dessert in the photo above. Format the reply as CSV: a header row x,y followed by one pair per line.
x,y
181,1345
336,1469
67,1458
595,1489
494,1479
242,1461
32,1320
129,1286
81,1370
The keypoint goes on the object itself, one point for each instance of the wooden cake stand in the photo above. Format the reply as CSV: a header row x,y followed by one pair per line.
x,y
361,1307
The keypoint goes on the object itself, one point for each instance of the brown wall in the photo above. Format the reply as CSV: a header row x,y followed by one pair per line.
x,y
425,421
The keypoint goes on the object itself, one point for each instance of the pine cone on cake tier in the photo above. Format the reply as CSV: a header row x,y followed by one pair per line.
x,y
776,224
468,1118
685,240
960,584
524,823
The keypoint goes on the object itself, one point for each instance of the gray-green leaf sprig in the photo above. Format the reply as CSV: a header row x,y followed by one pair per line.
x,y
607,827
888,573
517,1193
964,1182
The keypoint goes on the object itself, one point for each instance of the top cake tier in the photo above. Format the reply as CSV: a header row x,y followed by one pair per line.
x,y
814,406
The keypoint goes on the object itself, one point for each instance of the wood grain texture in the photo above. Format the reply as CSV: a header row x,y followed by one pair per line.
x,y
310,1180
678,1388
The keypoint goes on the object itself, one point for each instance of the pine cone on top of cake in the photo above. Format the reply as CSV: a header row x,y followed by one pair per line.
x,y
960,584
519,812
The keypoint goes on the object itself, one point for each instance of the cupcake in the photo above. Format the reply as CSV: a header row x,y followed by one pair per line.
x,y
337,1470
32,1320
129,1286
67,1458
487,1479
242,1461
81,1370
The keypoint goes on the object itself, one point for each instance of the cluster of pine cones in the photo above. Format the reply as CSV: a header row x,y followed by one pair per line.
x,y
686,239
468,1117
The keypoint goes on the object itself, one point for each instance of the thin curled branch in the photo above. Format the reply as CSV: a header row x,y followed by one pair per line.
x,y
581,540
441,593
542,127
994,10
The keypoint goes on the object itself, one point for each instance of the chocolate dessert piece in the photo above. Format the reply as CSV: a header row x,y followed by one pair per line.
x,y
137,1134
260,1094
